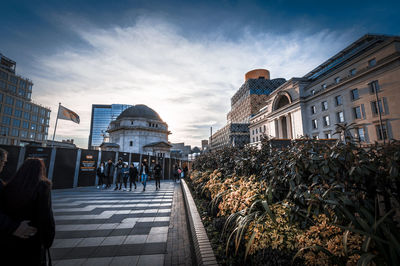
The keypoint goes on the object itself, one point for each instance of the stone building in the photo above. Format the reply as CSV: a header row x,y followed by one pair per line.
x,y
139,129
22,121
247,101
358,85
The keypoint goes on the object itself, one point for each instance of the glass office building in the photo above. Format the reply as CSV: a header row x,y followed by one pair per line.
x,y
102,115
21,120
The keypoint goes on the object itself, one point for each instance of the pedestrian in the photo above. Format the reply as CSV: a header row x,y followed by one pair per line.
x,y
9,226
175,172
185,171
182,173
109,172
144,172
27,196
157,175
125,176
100,174
133,173
118,168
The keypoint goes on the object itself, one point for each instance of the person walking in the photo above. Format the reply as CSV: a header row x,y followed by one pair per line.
x,y
9,226
27,196
144,172
100,174
109,172
125,176
157,175
185,171
133,173
175,172
119,167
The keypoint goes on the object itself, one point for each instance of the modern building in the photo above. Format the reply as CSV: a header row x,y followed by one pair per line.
x,y
359,86
204,144
246,102
139,129
22,121
102,115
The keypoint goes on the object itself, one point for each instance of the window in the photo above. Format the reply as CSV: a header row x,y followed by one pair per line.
x,y
18,104
337,80
328,135
260,130
40,128
23,134
357,112
354,94
131,143
338,100
4,131
265,129
35,109
6,120
25,124
315,136
2,84
13,79
41,120
374,86
253,131
39,137
326,120
257,138
21,92
14,132
1,97
314,124
7,110
27,106
313,110
324,105
48,114
3,75
323,86
254,140
372,62
22,84
42,112
353,72
26,115
34,118
312,92
374,107
340,117
382,134
12,88
16,122
32,135
9,100
256,131
360,134
33,126
17,113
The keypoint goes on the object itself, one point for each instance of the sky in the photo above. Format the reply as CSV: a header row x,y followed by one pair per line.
x,y
184,59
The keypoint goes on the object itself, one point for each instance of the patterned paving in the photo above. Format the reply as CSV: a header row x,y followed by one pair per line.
x,y
106,227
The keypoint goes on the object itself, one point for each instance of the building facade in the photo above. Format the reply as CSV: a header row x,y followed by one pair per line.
x,y
139,129
22,121
102,115
246,102
359,86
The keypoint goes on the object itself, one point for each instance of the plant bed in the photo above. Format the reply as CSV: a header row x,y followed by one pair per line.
x,y
309,204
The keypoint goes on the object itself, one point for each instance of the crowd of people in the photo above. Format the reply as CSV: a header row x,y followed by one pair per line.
x,y
27,226
131,174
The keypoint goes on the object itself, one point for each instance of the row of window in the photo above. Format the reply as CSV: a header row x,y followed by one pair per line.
x,y
259,130
6,120
14,80
14,132
381,133
26,106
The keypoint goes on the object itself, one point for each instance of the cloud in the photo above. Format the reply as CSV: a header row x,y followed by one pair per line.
x,y
188,81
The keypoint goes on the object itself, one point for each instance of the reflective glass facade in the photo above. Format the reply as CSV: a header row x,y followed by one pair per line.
x,y
102,115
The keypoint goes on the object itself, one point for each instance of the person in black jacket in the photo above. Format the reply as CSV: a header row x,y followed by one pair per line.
x,y
109,172
9,226
157,175
133,173
119,166
28,197
100,174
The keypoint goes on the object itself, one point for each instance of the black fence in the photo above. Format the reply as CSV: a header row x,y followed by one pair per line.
x,y
68,168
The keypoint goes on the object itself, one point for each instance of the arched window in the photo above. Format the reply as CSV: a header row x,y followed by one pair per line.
x,y
281,101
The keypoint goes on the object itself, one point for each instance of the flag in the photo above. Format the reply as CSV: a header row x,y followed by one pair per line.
x,y
66,114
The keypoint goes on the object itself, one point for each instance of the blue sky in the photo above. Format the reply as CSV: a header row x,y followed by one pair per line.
x,y
185,59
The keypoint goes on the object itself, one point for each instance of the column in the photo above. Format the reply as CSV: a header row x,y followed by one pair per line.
x,y
289,126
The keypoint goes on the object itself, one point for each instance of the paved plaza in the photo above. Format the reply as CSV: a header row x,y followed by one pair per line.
x,y
106,227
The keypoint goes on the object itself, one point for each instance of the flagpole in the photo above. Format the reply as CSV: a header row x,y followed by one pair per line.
x,y
55,127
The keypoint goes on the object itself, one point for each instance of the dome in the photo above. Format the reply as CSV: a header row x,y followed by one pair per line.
x,y
139,111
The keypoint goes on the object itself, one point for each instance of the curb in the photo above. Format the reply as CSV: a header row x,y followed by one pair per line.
x,y
202,247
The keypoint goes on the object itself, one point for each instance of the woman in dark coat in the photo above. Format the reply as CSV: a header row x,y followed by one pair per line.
x,y
28,197
133,173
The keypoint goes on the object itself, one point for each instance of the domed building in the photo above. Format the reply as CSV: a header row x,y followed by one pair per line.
x,y
139,129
